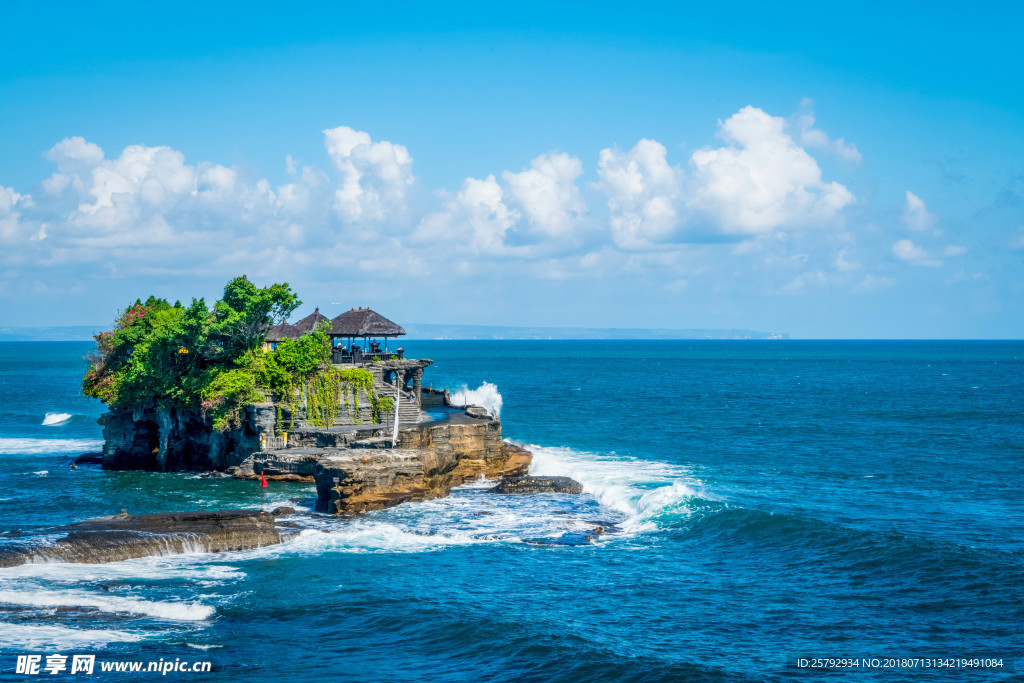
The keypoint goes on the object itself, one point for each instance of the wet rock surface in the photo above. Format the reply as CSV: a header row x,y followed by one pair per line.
x,y
524,485
124,536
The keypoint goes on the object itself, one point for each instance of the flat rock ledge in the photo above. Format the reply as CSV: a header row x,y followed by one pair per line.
x,y
123,537
537,485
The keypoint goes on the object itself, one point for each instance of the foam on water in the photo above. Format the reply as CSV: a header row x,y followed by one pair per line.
x,y
642,490
158,567
174,611
54,419
486,396
15,446
33,637
370,537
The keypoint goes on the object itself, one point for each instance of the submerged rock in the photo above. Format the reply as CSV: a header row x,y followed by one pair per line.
x,y
123,536
89,459
537,485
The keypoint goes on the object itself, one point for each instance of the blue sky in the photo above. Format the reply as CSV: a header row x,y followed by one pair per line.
x,y
824,171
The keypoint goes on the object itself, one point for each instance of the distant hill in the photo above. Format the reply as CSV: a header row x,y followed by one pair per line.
x,y
433,331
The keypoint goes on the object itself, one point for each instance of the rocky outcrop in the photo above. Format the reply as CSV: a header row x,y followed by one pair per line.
x,y
171,440
360,480
477,445
122,537
537,485
428,459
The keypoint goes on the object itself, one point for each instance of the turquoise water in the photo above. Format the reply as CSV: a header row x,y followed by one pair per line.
x,y
769,500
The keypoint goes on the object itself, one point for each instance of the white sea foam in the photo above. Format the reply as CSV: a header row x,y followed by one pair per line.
x,y
486,396
54,419
12,446
642,490
174,611
33,637
369,537
157,567
41,473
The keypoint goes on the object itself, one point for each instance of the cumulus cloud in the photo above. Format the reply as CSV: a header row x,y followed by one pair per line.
x,y
642,191
474,221
12,229
375,176
547,194
149,209
905,250
762,179
915,215
815,138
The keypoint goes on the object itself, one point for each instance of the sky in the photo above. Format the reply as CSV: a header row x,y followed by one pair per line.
x,y
824,171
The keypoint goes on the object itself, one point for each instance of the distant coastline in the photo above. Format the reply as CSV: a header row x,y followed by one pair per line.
x,y
442,332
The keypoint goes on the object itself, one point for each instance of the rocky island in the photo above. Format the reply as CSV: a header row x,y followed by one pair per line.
x,y
238,389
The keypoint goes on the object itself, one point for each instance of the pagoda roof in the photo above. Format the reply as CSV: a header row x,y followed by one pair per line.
x,y
310,321
362,322
283,331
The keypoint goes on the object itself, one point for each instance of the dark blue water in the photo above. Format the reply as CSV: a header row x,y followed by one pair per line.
x,y
768,499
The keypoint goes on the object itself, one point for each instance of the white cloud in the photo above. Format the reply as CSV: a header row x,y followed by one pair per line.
x,y
474,221
547,194
375,176
643,191
915,215
762,180
905,250
12,229
815,138
955,250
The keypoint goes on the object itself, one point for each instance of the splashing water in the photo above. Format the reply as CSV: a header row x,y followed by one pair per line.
x,y
54,419
486,396
643,490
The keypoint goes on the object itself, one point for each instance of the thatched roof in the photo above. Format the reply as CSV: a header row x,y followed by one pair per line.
x,y
283,331
310,321
362,322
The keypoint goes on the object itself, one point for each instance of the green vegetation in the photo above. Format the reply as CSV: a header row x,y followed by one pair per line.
x,y
212,361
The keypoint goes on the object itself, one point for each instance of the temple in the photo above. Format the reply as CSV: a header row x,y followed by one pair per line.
x,y
359,337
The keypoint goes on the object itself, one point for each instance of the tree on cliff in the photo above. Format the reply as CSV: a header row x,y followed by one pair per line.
x,y
165,356
246,312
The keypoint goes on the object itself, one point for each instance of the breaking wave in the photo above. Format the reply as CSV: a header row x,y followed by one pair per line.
x,y
174,611
33,637
650,494
54,419
14,446
486,396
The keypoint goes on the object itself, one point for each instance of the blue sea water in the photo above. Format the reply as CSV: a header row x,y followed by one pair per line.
x,y
767,500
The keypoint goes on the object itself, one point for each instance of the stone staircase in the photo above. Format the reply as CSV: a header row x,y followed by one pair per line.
x,y
408,412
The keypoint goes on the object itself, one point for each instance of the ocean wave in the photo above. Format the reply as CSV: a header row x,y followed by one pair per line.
x,y
369,537
54,419
15,446
204,567
486,396
647,492
173,611
34,637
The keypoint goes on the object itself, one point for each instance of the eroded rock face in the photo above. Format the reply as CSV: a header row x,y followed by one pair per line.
x,y
370,479
169,440
476,443
123,537
538,485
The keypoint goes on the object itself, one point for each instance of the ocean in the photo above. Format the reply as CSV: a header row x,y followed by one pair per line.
x,y
766,502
